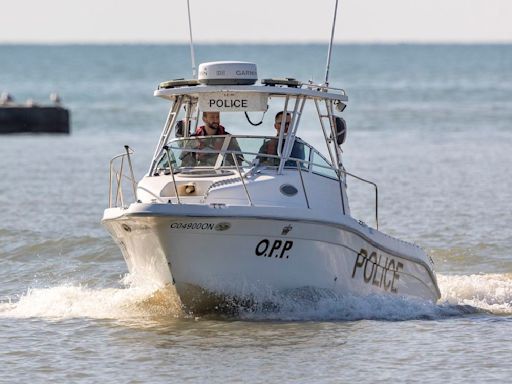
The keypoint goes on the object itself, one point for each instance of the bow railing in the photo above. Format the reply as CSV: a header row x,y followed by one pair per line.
x,y
121,174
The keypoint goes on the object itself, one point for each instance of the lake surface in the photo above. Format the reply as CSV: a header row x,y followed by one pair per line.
x,y
430,124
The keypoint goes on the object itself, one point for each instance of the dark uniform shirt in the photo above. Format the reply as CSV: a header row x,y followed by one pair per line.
x,y
269,147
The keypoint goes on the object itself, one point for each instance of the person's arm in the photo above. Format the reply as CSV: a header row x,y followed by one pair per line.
x,y
235,147
189,159
298,151
264,160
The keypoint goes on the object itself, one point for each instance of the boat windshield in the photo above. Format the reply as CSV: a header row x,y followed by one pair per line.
x,y
232,151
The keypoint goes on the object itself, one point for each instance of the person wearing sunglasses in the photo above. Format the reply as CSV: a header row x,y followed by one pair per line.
x,y
269,147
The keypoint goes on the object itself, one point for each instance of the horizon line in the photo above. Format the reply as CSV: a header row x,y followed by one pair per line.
x,y
311,42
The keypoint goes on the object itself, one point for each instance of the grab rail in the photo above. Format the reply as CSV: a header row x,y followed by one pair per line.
x,y
376,193
169,159
119,176
297,162
242,179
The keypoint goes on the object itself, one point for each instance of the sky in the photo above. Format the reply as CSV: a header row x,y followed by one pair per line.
x,y
267,21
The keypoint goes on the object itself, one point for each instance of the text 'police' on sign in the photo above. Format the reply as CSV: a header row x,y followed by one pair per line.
x,y
232,101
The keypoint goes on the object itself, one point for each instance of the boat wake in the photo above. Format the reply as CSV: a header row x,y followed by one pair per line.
x,y
462,295
68,301
490,293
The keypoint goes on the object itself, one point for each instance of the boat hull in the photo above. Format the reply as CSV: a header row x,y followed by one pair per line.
x,y
214,259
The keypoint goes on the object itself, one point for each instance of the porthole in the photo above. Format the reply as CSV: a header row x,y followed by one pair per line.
x,y
288,190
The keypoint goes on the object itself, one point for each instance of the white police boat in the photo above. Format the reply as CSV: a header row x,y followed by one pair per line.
x,y
237,226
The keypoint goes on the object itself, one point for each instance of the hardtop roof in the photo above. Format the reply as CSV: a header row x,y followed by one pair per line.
x,y
311,91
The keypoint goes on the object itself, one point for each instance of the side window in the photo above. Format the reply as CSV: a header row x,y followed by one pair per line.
x,y
322,167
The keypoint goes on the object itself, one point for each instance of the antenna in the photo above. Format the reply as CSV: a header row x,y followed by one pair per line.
x,y
192,54
330,45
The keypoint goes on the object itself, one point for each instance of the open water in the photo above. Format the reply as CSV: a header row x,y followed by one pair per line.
x,y
431,124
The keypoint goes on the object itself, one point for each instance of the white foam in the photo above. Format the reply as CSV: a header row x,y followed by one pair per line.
x,y
68,301
461,294
346,308
488,292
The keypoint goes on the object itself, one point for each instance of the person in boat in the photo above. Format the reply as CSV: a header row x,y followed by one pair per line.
x,y
269,147
211,127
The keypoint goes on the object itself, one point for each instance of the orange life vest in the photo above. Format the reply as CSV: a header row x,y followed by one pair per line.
x,y
201,131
